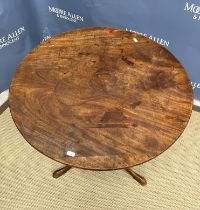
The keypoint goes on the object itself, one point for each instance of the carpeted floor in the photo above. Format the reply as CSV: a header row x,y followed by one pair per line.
x,y
26,178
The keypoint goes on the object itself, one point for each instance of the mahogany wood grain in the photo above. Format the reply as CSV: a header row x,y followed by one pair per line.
x,y
100,98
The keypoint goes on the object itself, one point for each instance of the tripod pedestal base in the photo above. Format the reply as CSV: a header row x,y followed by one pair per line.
x,y
61,171
140,179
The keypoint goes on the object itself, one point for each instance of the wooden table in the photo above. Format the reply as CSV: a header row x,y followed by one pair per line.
x,y
100,99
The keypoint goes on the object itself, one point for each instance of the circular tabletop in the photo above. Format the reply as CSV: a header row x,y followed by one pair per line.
x,y
100,98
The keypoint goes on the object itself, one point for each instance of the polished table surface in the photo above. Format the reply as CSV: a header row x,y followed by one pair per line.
x,y
100,98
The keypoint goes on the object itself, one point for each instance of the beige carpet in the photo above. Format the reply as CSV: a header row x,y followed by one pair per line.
x,y
26,178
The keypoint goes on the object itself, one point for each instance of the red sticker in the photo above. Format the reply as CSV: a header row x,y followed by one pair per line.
x,y
110,31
